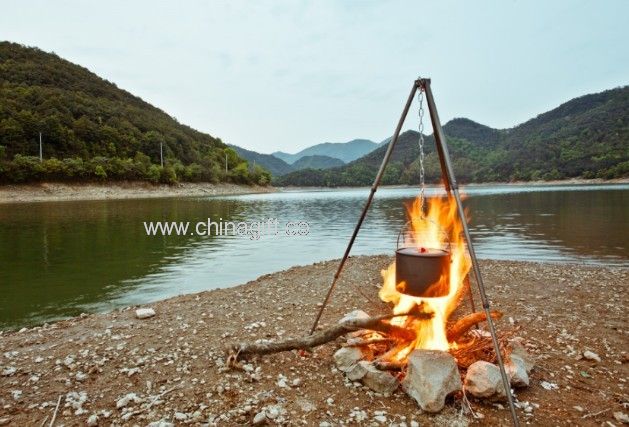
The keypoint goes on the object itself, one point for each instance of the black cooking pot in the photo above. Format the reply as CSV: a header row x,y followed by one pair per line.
x,y
422,272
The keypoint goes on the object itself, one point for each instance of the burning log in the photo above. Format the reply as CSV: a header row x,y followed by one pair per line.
x,y
324,336
465,323
389,366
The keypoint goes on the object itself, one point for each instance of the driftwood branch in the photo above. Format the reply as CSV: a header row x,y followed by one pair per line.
x,y
324,336
464,324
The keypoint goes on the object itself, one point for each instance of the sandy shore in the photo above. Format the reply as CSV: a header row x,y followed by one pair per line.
x,y
52,192
173,362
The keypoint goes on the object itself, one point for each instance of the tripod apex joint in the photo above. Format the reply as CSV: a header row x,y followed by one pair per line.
x,y
421,82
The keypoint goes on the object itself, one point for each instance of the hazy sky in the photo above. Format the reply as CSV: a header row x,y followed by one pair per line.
x,y
283,75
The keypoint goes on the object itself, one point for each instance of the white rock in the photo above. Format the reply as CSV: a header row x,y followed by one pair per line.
x,y
273,412
516,369
92,420
144,313
377,380
353,315
260,418
431,376
180,416
518,349
621,417
8,371
161,423
549,386
346,357
590,355
380,418
483,379
128,398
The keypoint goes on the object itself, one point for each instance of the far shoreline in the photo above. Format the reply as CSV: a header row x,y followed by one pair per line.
x,y
57,192
571,181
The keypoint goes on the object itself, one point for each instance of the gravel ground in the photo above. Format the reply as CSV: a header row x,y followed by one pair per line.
x,y
115,369
54,192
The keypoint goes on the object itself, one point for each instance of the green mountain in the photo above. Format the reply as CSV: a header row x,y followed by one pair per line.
x,y
317,162
345,151
587,137
92,130
277,167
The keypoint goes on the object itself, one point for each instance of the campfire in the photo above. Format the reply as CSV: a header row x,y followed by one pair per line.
x,y
419,345
440,228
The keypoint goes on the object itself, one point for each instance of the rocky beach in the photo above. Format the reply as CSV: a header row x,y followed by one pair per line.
x,y
169,366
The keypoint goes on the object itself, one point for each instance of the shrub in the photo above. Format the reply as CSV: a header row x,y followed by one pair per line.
x,y
100,173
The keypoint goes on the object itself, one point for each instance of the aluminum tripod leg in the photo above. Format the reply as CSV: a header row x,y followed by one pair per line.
x,y
440,141
374,187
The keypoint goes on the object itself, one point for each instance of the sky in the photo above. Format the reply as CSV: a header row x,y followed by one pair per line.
x,y
285,75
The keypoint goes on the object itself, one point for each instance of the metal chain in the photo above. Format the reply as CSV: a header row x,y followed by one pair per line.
x,y
422,184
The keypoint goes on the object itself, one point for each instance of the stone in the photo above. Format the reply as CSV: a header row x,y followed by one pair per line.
x,y
548,386
346,357
144,313
92,420
621,417
353,315
519,350
372,377
431,376
483,380
590,355
260,418
128,398
516,369
161,423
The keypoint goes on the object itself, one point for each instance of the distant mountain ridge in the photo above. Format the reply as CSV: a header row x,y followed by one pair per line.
x,y
586,137
345,151
277,167
317,162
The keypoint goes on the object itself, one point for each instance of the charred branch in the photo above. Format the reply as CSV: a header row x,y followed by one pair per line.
x,y
327,335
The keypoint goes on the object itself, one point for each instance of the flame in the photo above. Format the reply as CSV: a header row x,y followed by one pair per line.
x,y
433,231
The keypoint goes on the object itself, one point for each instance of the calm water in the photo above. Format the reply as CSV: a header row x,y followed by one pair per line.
x,y
63,258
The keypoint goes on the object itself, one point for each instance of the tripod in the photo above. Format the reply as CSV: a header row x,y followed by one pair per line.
x,y
452,188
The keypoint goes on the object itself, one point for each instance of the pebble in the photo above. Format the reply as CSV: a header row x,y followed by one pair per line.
x,y
590,355
259,418
144,313
92,420
549,386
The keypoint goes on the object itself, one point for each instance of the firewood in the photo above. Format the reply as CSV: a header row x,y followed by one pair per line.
x,y
464,324
324,336
359,342
389,366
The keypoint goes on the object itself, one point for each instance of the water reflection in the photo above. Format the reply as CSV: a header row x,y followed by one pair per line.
x,y
58,259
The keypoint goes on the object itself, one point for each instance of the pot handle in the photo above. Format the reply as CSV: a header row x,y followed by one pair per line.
x,y
423,218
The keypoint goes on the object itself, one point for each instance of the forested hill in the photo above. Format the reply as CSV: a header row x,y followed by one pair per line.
x,y
587,137
92,130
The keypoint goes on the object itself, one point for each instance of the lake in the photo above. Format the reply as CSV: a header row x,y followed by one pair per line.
x,y
59,259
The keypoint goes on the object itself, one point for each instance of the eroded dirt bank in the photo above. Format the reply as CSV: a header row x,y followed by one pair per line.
x,y
169,367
